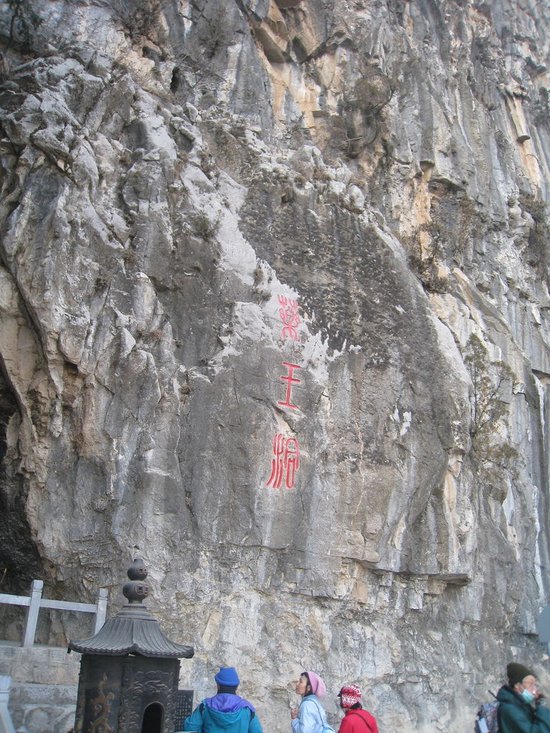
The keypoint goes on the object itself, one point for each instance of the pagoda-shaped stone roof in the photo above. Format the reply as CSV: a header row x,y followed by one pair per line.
x,y
133,630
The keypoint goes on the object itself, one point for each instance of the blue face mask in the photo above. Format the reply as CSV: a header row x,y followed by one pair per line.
x,y
527,695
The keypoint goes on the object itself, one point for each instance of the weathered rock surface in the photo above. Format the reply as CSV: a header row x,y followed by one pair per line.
x,y
175,174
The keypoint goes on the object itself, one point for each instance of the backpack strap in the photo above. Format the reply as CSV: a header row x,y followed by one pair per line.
x,y
319,709
325,726
357,715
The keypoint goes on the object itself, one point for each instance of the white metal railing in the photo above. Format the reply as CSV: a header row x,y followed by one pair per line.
x,y
35,602
6,723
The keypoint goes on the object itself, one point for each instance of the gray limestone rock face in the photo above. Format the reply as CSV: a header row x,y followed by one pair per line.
x,y
274,312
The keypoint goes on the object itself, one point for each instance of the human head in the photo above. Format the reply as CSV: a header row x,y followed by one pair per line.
x,y
522,680
313,685
227,679
517,673
350,697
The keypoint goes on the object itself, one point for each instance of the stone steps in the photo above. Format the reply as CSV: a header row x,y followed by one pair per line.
x,y
42,708
44,683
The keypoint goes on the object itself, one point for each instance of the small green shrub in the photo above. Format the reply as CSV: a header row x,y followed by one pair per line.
x,y
203,227
538,251
138,17
492,381
24,21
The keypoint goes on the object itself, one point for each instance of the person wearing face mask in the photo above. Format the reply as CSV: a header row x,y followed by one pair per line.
x,y
520,707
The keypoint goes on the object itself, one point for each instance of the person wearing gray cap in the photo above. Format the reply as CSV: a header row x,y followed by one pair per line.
x,y
520,707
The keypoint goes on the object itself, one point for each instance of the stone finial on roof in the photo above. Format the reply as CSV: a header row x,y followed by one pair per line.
x,y
136,590
133,630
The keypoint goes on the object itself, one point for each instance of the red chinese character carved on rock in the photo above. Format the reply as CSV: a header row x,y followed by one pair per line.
x,y
285,462
290,317
290,380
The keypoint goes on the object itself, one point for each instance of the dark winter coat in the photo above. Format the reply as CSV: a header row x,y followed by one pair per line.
x,y
515,715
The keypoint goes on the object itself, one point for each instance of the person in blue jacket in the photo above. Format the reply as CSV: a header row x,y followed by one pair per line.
x,y
310,717
520,707
226,712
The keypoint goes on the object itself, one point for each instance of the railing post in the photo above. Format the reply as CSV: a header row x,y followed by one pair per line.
x,y
32,612
101,612
6,723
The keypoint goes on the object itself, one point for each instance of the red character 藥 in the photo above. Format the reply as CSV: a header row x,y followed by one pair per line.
x,y
290,318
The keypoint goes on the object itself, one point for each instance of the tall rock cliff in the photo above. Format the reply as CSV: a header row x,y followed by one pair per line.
x,y
274,316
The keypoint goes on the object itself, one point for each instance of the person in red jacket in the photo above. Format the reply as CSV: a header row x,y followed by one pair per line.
x,y
356,720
